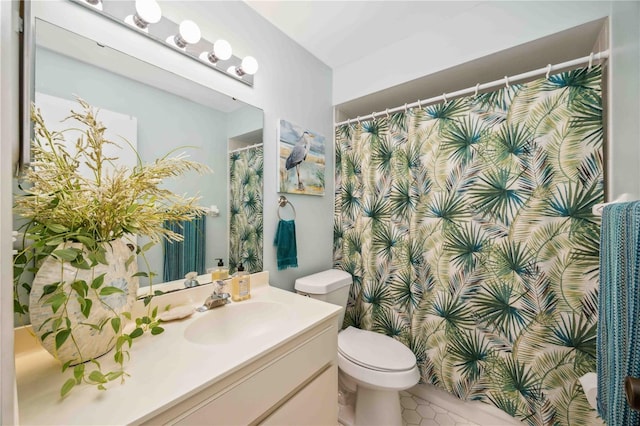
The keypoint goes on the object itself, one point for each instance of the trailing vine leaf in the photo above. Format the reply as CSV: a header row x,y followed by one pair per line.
x,y
136,333
61,337
66,387
66,254
80,287
110,290
97,377
78,372
98,281
115,323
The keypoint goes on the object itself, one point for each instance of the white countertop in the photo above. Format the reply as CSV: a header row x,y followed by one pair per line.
x,y
164,369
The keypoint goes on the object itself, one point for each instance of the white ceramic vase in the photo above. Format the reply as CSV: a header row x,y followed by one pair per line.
x,y
86,342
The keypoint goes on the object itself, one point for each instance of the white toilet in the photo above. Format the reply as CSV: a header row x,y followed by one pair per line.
x,y
373,365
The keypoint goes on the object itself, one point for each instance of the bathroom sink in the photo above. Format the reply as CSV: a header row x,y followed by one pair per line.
x,y
237,321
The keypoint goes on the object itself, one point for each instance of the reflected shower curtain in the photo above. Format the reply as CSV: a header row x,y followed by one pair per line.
x,y
182,257
467,227
245,208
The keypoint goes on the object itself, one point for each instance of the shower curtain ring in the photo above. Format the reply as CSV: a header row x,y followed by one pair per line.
x,y
506,81
405,108
358,119
373,116
548,70
477,87
387,111
590,61
444,98
419,104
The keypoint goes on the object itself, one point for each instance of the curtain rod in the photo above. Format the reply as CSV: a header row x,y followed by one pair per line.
x,y
503,81
246,147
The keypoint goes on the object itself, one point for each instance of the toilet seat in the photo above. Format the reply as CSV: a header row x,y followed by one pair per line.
x,y
376,361
374,351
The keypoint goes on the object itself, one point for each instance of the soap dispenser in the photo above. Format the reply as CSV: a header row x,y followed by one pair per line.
x,y
220,273
222,270
240,285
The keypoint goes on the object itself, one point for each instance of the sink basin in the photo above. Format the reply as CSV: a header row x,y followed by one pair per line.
x,y
237,321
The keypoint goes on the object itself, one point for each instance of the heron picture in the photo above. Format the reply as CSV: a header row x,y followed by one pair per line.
x,y
302,160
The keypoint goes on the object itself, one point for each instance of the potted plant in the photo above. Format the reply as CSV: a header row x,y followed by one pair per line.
x,y
79,240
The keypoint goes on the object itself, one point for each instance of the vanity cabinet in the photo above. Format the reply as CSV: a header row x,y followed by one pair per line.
x,y
294,384
277,372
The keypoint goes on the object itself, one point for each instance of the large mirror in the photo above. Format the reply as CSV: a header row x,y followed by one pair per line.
x,y
159,112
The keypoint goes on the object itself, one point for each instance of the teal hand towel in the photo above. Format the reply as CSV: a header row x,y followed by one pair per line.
x,y
285,241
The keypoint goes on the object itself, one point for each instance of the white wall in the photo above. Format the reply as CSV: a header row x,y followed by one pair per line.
x,y
624,99
291,84
486,28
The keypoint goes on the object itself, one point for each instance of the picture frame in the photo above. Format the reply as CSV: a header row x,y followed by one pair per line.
x,y
301,160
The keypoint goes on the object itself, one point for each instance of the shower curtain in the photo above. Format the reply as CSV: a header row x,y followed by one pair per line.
x,y
245,208
467,227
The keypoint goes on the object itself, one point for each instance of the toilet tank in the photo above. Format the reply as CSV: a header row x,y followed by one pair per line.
x,y
330,286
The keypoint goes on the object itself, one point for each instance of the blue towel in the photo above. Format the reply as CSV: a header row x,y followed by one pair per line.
x,y
618,339
187,255
285,241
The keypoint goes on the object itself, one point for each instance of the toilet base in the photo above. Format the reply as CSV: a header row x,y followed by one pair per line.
x,y
375,407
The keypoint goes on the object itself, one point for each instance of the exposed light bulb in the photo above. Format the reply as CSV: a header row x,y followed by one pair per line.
x,y
147,12
189,33
221,52
249,66
222,49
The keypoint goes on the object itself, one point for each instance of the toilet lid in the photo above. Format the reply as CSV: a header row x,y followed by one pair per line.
x,y
374,350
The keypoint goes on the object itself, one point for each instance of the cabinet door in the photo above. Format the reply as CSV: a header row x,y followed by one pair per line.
x,y
315,404
247,399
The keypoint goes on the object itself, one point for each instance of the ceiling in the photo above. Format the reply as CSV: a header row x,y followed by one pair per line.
x,y
339,32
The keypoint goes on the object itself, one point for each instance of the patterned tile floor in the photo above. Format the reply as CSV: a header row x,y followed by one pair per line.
x,y
417,411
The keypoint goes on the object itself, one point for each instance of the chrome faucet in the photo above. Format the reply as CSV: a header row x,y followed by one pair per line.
x,y
218,298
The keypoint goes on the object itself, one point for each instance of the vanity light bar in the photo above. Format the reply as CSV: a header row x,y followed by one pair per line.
x,y
145,18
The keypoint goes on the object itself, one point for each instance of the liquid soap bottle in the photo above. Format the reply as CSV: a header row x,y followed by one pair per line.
x,y
240,285
220,273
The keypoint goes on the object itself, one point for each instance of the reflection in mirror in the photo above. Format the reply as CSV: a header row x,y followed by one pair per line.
x,y
158,112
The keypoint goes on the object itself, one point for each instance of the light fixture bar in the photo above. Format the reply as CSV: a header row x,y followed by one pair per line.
x,y
165,29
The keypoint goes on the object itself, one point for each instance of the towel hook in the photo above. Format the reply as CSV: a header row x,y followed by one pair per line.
x,y
282,202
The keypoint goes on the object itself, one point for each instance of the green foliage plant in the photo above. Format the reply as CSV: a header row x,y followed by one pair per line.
x,y
62,205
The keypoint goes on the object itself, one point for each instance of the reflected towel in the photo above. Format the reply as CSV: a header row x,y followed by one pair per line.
x,y
285,241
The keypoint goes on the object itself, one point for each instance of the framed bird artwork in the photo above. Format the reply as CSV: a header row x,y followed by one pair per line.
x,y
301,160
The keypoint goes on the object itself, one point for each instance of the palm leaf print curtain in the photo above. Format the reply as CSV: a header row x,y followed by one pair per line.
x,y
245,209
467,227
